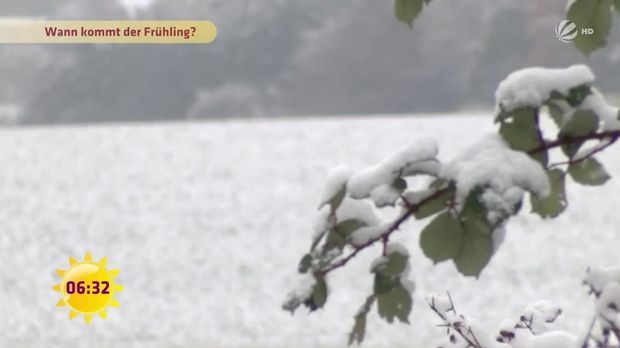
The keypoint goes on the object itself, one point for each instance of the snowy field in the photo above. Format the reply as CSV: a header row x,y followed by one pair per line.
x,y
207,221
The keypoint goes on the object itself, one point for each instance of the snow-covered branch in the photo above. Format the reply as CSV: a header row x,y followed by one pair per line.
x,y
468,200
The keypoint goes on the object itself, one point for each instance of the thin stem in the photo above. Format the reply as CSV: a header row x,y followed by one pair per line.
x,y
472,343
411,209
611,141
569,140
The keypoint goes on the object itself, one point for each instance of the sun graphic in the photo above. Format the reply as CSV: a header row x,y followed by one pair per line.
x,y
87,288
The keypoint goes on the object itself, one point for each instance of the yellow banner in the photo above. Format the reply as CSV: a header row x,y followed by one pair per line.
x,y
111,32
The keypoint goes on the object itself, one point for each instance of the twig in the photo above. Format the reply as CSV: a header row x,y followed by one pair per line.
x,y
612,140
472,343
569,140
411,209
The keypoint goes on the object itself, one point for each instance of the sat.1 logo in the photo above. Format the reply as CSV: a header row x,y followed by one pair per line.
x,y
567,31
87,288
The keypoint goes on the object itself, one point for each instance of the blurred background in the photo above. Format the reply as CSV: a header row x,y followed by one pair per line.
x,y
278,58
207,220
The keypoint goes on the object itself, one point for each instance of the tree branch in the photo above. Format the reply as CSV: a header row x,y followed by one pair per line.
x,y
585,157
613,135
411,209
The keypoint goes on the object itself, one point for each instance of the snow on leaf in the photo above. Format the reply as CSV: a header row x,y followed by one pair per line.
x,y
319,295
599,277
335,187
339,235
609,115
366,234
387,194
352,209
301,293
305,263
441,303
420,158
395,262
532,87
489,163
608,303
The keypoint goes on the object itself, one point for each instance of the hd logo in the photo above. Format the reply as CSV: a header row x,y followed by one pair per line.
x,y
566,31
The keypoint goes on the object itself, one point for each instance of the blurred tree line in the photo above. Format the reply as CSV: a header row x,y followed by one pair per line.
x,y
288,57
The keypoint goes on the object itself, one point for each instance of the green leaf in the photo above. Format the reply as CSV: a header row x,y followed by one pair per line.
x,y
582,122
473,208
399,184
434,206
439,183
395,303
337,199
588,172
319,295
577,94
395,265
305,263
594,14
337,237
617,5
442,238
520,131
556,113
407,10
555,203
359,326
384,283
468,244
359,330
477,248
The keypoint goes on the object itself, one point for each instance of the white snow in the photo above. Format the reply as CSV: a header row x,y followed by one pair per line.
x,y
540,315
608,304
531,87
608,114
366,234
304,289
599,277
336,181
420,157
507,173
207,221
441,303
384,195
551,339
396,248
353,209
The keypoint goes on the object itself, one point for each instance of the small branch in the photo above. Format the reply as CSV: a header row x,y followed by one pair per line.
x,y
613,135
411,209
471,343
614,328
612,140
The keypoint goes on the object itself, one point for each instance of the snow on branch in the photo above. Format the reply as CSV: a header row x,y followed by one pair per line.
x,y
468,202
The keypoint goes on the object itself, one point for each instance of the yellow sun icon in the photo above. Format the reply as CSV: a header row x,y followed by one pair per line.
x,y
87,288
